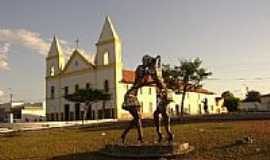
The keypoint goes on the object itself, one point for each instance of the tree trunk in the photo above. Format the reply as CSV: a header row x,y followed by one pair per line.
x,y
183,99
103,108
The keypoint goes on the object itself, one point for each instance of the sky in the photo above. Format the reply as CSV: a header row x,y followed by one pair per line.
x,y
231,37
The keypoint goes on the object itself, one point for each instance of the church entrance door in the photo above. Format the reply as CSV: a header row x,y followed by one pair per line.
x,y
66,112
77,111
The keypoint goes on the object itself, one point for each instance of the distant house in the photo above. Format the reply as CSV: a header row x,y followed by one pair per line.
x,y
262,106
22,112
250,106
10,111
265,101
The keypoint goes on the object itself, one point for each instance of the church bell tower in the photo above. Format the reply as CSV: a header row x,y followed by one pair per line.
x,y
109,47
55,60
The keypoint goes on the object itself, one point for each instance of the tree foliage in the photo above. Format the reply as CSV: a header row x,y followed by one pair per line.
x,y
253,96
230,101
227,94
186,76
88,96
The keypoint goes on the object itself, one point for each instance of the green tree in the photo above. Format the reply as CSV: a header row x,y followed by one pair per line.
x,y
188,75
227,94
89,97
230,101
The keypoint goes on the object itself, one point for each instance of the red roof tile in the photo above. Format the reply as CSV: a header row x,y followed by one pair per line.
x,y
128,76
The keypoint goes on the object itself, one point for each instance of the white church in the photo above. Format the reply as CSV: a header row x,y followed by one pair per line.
x,y
106,72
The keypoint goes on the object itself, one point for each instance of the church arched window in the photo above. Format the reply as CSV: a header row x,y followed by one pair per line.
x,y
106,58
52,71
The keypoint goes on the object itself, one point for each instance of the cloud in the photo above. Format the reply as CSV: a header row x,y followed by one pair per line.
x,y
31,40
4,48
20,37
25,38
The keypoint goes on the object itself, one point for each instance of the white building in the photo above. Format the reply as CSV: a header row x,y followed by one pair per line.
x,y
33,112
18,111
104,72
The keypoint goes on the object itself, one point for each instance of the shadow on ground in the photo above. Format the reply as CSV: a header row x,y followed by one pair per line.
x,y
81,156
98,156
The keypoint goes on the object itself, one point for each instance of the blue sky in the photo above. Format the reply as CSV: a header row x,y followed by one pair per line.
x,y
232,38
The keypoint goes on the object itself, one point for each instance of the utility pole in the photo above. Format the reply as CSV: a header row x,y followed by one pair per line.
x,y
11,101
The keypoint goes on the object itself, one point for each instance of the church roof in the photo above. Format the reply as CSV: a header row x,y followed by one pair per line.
x,y
78,53
108,31
129,77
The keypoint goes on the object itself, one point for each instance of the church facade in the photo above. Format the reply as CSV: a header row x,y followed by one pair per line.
x,y
104,72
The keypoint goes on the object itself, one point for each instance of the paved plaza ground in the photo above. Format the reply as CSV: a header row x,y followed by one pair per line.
x,y
212,141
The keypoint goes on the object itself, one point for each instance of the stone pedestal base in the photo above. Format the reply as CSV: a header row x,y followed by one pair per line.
x,y
146,150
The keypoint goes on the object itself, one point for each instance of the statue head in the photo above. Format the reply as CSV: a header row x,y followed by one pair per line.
x,y
146,59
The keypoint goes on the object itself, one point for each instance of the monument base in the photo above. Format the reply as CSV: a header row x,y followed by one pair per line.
x,y
146,150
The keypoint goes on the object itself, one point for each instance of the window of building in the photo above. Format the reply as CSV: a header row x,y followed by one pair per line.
x,y
66,90
52,92
106,86
150,91
52,71
106,58
87,85
141,90
62,116
150,106
93,115
200,109
127,87
76,87
113,113
56,117
76,63
177,108
52,116
71,116
17,113
100,114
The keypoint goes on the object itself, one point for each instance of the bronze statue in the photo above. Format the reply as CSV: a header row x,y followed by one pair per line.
x,y
132,105
143,73
162,103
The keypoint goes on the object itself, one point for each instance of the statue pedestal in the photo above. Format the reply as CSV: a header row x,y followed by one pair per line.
x,y
146,150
